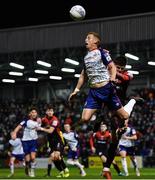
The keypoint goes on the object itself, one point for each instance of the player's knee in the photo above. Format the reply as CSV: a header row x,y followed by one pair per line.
x,y
33,159
11,163
124,116
85,119
70,162
104,159
55,156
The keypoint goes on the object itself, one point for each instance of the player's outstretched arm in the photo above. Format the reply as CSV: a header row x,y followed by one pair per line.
x,y
16,130
112,71
49,130
78,86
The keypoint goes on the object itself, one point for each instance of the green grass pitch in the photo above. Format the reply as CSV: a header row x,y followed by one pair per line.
x,y
92,173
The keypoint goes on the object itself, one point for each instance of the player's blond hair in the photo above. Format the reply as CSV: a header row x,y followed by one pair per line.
x,y
97,36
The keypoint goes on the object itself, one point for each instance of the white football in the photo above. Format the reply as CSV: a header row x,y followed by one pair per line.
x,y
77,12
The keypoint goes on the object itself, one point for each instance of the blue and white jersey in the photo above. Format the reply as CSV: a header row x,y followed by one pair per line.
x,y
17,146
96,62
71,139
127,142
30,132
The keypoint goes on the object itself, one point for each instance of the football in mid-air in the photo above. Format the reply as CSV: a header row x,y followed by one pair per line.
x,y
77,12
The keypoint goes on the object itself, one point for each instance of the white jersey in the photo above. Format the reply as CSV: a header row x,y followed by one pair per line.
x,y
127,142
30,132
71,139
17,146
96,62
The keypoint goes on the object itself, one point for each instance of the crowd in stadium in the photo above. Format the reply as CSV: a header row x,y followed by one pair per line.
x,y
142,118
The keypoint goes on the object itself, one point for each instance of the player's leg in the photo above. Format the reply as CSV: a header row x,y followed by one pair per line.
x,y
124,162
58,160
12,160
70,161
135,164
27,157
33,148
49,167
33,164
80,166
75,156
87,114
123,114
64,167
116,167
91,105
27,164
103,159
112,148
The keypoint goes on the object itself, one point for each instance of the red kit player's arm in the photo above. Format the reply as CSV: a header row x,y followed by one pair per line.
x,y
124,76
91,141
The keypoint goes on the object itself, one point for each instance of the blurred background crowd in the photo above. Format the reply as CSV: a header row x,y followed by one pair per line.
x,y
142,119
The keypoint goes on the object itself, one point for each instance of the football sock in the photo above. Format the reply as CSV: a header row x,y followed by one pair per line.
x,y
129,106
49,169
124,164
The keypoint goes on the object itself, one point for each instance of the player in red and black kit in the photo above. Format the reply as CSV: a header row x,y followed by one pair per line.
x,y
123,79
51,126
99,143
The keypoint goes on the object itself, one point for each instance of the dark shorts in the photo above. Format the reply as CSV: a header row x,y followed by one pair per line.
x,y
73,154
129,150
29,146
19,157
101,152
106,94
56,146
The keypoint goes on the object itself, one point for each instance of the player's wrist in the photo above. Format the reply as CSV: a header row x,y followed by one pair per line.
x,y
76,90
41,128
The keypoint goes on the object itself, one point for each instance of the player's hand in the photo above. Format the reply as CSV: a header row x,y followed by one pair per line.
x,y
49,150
66,148
39,128
9,153
72,95
93,149
74,149
39,120
124,137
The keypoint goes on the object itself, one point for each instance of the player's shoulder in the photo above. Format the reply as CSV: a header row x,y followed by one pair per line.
x,y
55,118
108,133
103,51
105,54
131,129
24,121
97,133
10,141
44,119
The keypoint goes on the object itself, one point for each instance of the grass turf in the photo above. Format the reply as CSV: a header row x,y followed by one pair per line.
x,y
92,173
